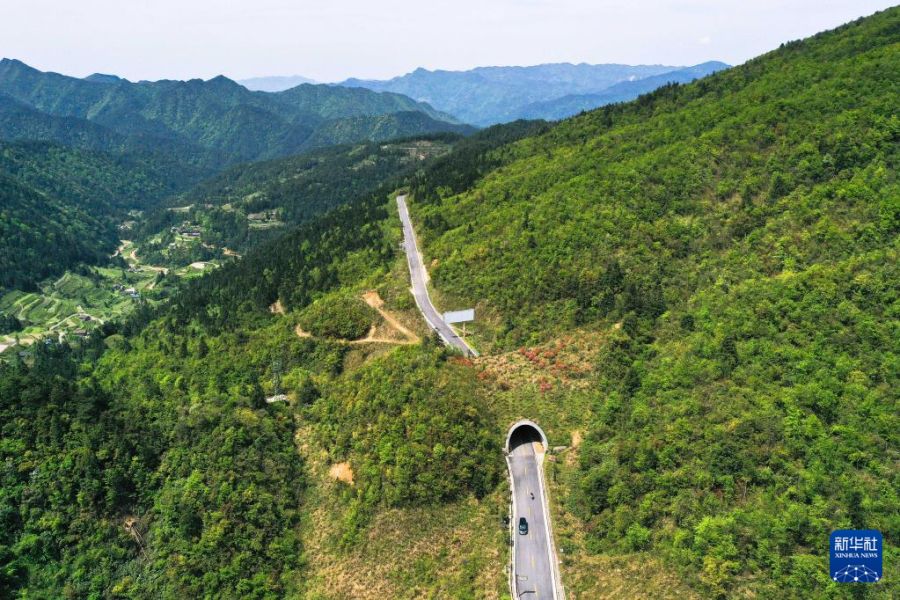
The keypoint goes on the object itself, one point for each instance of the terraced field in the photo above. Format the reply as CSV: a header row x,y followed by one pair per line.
x,y
77,303
73,303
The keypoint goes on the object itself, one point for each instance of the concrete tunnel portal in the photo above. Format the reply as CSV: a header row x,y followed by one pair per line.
x,y
525,432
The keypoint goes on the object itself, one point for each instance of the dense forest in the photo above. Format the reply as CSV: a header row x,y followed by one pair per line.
x,y
722,254
183,162
41,236
61,206
334,248
168,413
96,181
101,146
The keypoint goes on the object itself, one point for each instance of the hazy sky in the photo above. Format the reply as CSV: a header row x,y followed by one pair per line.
x,y
329,40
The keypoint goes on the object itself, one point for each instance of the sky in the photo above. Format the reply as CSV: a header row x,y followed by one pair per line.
x,y
330,40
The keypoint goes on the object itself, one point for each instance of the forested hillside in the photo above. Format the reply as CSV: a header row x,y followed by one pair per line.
x,y
208,123
694,293
252,203
295,265
184,162
170,416
60,206
290,183
733,245
41,236
96,181
96,148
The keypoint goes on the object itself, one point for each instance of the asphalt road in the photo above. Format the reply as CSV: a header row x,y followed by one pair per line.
x,y
419,277
533,575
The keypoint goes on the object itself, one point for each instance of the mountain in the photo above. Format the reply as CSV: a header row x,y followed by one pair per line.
x,y
572,104
694,293
92,180
721,260
60,206
274,84
488,95
221,121
42,236
185,162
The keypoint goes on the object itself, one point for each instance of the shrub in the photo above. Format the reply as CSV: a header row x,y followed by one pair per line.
x,y
341,316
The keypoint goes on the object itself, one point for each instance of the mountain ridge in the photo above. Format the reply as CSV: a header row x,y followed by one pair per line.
x,y
572,104
218,115
488,95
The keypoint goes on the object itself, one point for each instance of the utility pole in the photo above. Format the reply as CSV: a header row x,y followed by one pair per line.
x,y
276,376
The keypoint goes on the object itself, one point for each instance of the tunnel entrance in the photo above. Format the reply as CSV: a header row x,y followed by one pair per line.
x,y
525,432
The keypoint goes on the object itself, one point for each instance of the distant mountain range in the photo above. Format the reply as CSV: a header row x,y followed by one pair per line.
x,y
572,104
197,124
489,95
277,83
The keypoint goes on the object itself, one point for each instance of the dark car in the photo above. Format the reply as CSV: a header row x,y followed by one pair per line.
x,y
523,526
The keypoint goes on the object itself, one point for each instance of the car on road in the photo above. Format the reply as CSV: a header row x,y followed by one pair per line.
x,y
523,526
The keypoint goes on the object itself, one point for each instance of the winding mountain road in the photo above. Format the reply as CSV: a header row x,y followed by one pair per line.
x,y
419,277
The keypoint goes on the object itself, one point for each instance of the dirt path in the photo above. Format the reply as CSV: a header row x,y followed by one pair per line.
x,y
372,338
374,300
137,261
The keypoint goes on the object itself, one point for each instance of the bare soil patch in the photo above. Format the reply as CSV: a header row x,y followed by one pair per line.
x,y
576,438
342,472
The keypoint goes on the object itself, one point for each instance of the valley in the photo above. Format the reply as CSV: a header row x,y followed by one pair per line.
x,y
76,304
